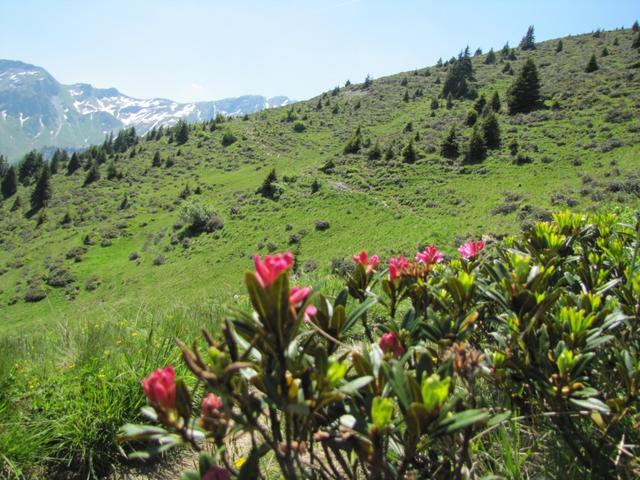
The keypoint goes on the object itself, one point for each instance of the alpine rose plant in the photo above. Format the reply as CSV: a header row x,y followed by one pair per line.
x,y
471,249
397,265
363,259
160,388
430,255
267,270
390,343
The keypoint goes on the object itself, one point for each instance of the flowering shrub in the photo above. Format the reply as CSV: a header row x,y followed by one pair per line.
x,y
541,327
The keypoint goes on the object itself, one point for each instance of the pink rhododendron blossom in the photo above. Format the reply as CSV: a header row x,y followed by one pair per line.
x,y
160,387
216,473
390,343
212,406
430,255
297,296
267,270
396,266
471,249
363,259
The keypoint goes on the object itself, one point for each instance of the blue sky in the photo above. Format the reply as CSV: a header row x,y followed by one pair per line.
x,y
199,50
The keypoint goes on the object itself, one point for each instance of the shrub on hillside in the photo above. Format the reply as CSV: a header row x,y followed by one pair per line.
x,y
200,218
459,347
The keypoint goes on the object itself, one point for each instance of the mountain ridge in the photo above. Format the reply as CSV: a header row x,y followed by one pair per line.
x,y
38,112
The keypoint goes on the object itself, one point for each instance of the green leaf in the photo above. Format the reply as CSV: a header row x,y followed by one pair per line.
x,y
183,401
355,385
190,475
382,411
591,404
461,420
359,311
435,391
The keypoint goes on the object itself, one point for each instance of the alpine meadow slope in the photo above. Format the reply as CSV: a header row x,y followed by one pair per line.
x,y
142,239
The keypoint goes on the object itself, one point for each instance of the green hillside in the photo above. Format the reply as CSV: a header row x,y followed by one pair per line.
x,y
581,145
112,267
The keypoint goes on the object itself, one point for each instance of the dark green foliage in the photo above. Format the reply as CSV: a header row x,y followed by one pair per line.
x,y
181,132
480,103
157,160
270,188
478,52
409,153
228,138
634,27
491,58
636,41
472,118
459,76
315,186
528,41
59,157
592,65
524,93
42,191
491,129
74,164
299,127
605,52
368,81
4,166
404,82
513,147
405,98
200,219
93,174
508,69
449,104
9,185
559,46
435,104
376,152
112,171
495,103
29,167
449,147
476,148
389,153
291,116
126,138
355,143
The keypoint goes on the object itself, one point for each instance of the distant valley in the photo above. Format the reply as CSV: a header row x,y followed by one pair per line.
x,y
37,111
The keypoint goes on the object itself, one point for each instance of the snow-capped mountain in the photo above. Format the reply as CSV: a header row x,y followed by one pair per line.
x,y
36,111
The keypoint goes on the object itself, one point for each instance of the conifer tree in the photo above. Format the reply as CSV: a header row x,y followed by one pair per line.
x,y
472,118
376,152
559,46
528,41
449,101
636,41
459,74
504,53
42,191
495,103
524,93
93,174
449,147
74,164
409,153
480,103
435,104
491,129
56,160
112,171
157,161
635,28
354,143
9,184
605,52
182,132
4,166
592,66
269,187
29,167
491,58
405,98
476,148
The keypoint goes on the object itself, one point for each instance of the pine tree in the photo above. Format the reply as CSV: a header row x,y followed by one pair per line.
x,y
559,46
636,41
449,101
635,28
528,41
459,74
9,184
157,161
405,98
56,160
93,174
491,129
409,153
74,164
182,132
29,167
491,58
476,148
269,187
480,103
449,147
524,93
4,166
42,191
367,82
376,152
112,171
592,66
495,103
354,143
472,118
508,69
504,53
435,104
605,52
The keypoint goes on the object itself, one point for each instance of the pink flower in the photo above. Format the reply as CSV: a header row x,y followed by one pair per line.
x,y
267,270
396,266
216,473
390,343
430,255
471,249
297,296
363,259
211,406
160,388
